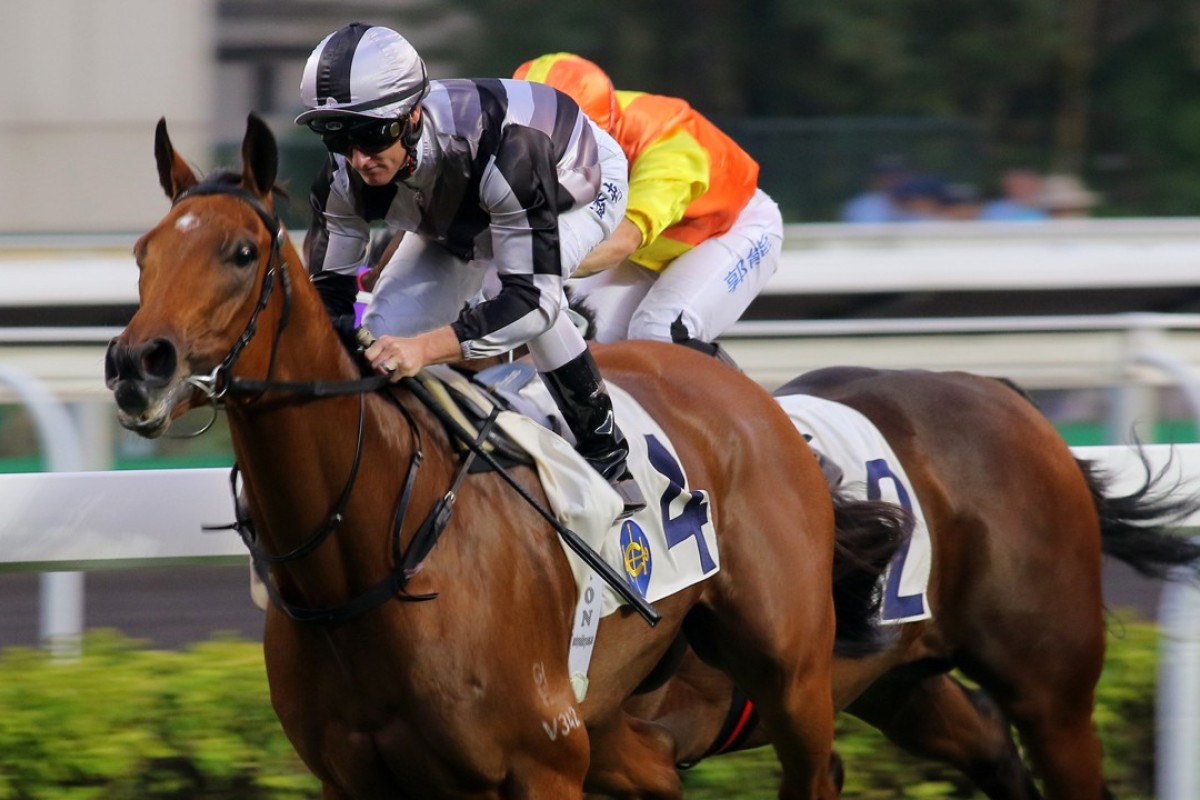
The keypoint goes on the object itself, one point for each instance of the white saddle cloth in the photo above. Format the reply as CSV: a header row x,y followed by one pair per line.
x,y
871,471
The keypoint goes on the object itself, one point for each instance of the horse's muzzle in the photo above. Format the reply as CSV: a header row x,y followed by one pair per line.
x,y
133,371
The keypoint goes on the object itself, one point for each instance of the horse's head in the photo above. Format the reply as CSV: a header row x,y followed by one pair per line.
x,y
206,275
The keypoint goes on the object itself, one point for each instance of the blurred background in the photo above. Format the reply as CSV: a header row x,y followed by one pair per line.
x,y
1037,163
1103,90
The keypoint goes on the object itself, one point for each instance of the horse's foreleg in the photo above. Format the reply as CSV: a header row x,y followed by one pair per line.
x,y
802,732
935,716
632,758
548,768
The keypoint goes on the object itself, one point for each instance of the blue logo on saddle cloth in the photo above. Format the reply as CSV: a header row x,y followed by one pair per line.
x,y
635,553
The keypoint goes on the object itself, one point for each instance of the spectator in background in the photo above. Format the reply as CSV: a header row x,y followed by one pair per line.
x,y
1065,197
920,199
962,201
877,203
1020,188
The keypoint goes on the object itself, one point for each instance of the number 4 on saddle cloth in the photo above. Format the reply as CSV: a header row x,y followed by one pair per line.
x,y
667,546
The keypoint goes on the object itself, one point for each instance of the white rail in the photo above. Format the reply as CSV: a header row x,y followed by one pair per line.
x,y
844,259
1037,352
127,518
1177,706
61,591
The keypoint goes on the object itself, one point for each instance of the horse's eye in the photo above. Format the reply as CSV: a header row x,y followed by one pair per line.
x,y
245,254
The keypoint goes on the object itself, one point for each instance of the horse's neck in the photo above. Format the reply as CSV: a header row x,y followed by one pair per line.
x,y
295,451
309,349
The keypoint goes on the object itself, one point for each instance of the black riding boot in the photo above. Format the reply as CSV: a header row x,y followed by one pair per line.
x,y
582,398
680,335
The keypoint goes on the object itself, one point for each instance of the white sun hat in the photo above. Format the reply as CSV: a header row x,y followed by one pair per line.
x,y
1065,193
361,70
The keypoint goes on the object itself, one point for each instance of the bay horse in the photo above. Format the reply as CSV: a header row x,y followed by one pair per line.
x,y
465,695
1018,526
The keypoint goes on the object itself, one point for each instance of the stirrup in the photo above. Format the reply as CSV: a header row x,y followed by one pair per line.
x,y
632,498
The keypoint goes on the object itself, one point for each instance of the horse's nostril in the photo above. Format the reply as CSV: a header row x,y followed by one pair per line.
x,y
158,361
152,363
111,372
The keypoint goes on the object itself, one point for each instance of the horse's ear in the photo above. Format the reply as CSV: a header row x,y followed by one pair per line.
x,y
260,156
174,175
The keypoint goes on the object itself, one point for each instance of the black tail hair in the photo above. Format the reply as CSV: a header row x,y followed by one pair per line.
x,y
868,534
1137,528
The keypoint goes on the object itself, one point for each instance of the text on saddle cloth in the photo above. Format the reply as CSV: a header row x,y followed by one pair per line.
x,y
871,471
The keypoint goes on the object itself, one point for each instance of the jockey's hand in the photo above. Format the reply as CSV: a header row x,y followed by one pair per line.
x,y
395,357
612,251
402,357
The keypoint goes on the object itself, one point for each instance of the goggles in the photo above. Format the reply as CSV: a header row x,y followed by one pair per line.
x,y
373,137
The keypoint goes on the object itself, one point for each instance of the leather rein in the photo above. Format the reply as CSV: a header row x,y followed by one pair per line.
x,y
221,383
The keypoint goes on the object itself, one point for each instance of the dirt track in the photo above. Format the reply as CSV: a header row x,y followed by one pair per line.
x,y
171,607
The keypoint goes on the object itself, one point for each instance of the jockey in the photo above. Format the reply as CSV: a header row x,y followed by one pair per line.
x,y
499,176
699,239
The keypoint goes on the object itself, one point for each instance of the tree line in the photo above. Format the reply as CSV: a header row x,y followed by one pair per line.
x,y
1107,89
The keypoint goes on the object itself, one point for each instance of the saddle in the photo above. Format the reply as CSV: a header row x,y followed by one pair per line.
x,y
470,398
858,461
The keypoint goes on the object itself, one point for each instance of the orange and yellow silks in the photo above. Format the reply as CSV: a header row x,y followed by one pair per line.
x,y
688,181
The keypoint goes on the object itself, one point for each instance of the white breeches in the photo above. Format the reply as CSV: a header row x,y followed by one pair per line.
x,y
708,288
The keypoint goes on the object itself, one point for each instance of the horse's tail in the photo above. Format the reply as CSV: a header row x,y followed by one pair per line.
x,y
1136,528
868,533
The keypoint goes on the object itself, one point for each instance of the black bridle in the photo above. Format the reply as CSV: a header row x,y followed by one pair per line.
x,y
221,383
406,563
215,385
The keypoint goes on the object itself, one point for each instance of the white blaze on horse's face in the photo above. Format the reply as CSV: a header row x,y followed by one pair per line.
x,y
186,222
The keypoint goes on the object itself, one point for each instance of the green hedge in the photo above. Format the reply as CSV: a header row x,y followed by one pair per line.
x,y
127,722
